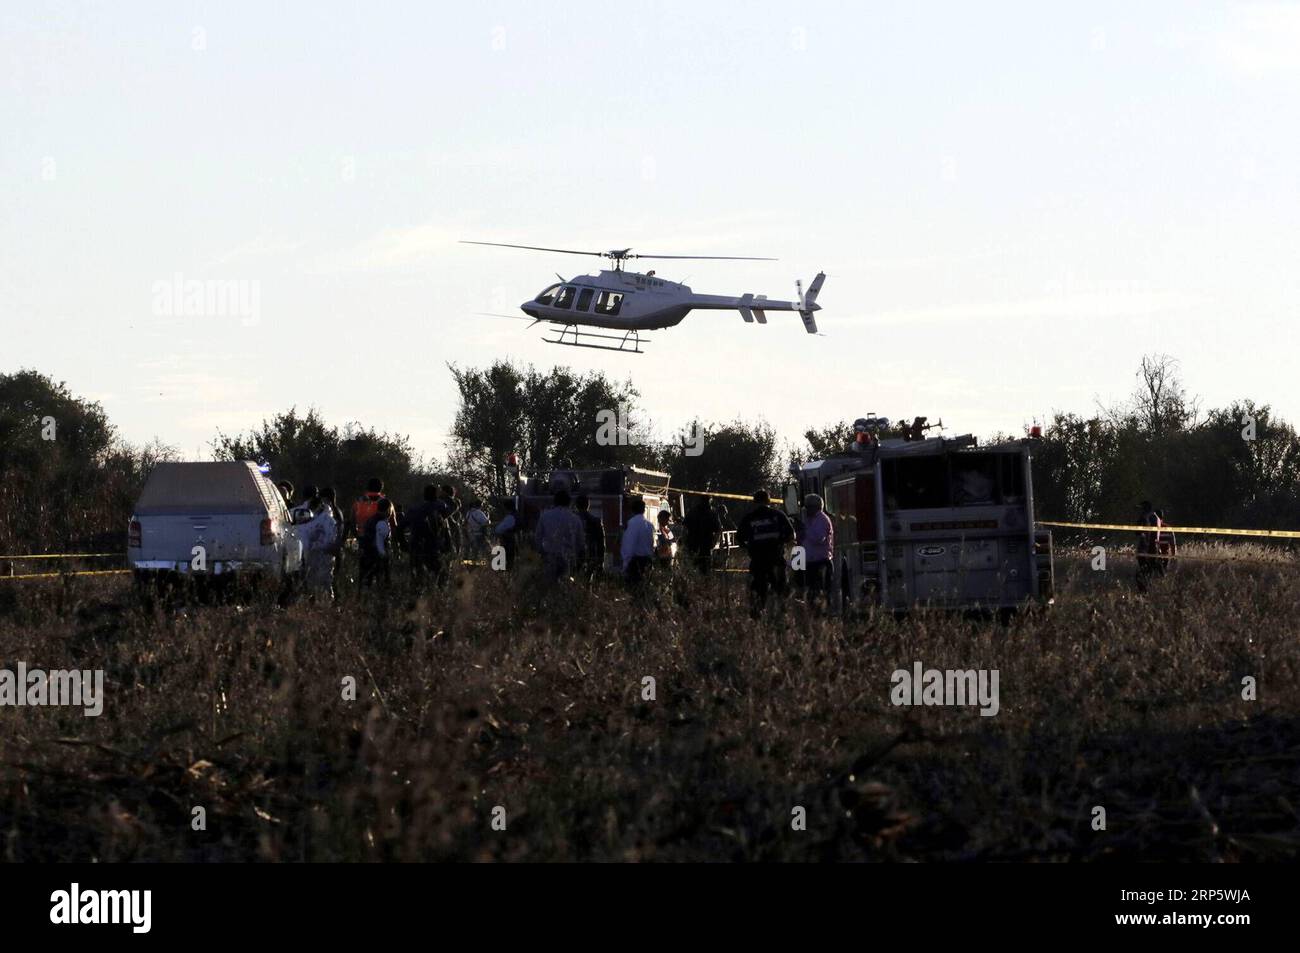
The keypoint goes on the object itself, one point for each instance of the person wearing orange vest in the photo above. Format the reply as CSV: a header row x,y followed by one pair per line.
x,y
376,546
367,505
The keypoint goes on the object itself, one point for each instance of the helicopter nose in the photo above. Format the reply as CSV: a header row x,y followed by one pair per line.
x,y
529,309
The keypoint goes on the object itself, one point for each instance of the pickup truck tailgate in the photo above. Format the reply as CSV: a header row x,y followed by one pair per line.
x,y
224,537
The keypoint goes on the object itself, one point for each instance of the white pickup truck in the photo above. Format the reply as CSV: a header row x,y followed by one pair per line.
x,y
211,519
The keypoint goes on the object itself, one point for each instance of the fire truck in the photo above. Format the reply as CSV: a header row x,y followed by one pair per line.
x,y
922,521
609,490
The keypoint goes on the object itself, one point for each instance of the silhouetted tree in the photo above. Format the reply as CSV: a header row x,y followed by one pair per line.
x,y
304,449
66,479
545,417
737,457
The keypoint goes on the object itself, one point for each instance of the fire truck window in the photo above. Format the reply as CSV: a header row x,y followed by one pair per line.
x,y
839,499
565,298
547,296
974,479
584,299
608,302
1013,478
920,483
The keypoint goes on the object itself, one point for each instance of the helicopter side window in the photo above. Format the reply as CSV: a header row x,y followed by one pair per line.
x,y
584,299
609,302
547,296
565,298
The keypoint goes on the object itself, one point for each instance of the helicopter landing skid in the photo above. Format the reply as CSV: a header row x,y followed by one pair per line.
x,y
629,343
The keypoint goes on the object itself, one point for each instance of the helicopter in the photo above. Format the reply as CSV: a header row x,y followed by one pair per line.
x,y
630,302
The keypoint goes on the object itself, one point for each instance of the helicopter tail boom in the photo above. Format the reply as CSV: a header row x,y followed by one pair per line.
x,y
754,307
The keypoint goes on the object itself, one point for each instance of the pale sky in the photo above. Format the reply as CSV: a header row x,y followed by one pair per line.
x,y
1013,202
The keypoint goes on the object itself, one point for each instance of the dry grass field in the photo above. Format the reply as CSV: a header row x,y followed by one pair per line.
x,y
491,694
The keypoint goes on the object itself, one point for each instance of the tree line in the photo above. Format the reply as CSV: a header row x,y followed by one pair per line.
x,y
68,480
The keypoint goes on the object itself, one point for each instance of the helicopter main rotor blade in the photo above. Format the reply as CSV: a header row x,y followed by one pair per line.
x,y
707,257
564,251
619,254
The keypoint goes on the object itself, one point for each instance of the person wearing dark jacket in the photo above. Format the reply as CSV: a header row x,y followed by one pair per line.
x,y
426,537
764,532
507,533
1155,548
593,529
451,511
702,530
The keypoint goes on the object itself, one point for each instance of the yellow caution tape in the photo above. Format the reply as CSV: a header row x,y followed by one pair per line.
x,y
716,494
1114,527
56,575
1192,530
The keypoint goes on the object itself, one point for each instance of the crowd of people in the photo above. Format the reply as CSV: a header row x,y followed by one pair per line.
x,y
433,533
441,530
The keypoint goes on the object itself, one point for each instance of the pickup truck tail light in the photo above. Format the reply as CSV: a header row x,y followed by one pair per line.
x,y
268,532
133,535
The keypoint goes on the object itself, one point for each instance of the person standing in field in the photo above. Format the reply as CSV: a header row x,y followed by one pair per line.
x,y
507,533
363,509
702,530
764,532
424,525
593,530
329,499
665,544
451,512
1147,546
376,552
477,525
818,543
638,546
320,544
367,504
560,539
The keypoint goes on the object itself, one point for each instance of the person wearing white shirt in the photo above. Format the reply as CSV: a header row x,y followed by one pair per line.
x,y
638,546
319,535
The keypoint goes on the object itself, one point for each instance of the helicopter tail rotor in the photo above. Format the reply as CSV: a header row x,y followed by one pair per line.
x,y
808,302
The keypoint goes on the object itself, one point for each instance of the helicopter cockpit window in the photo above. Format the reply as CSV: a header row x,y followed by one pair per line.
x,y
608,302
547,296
565,298
584,299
